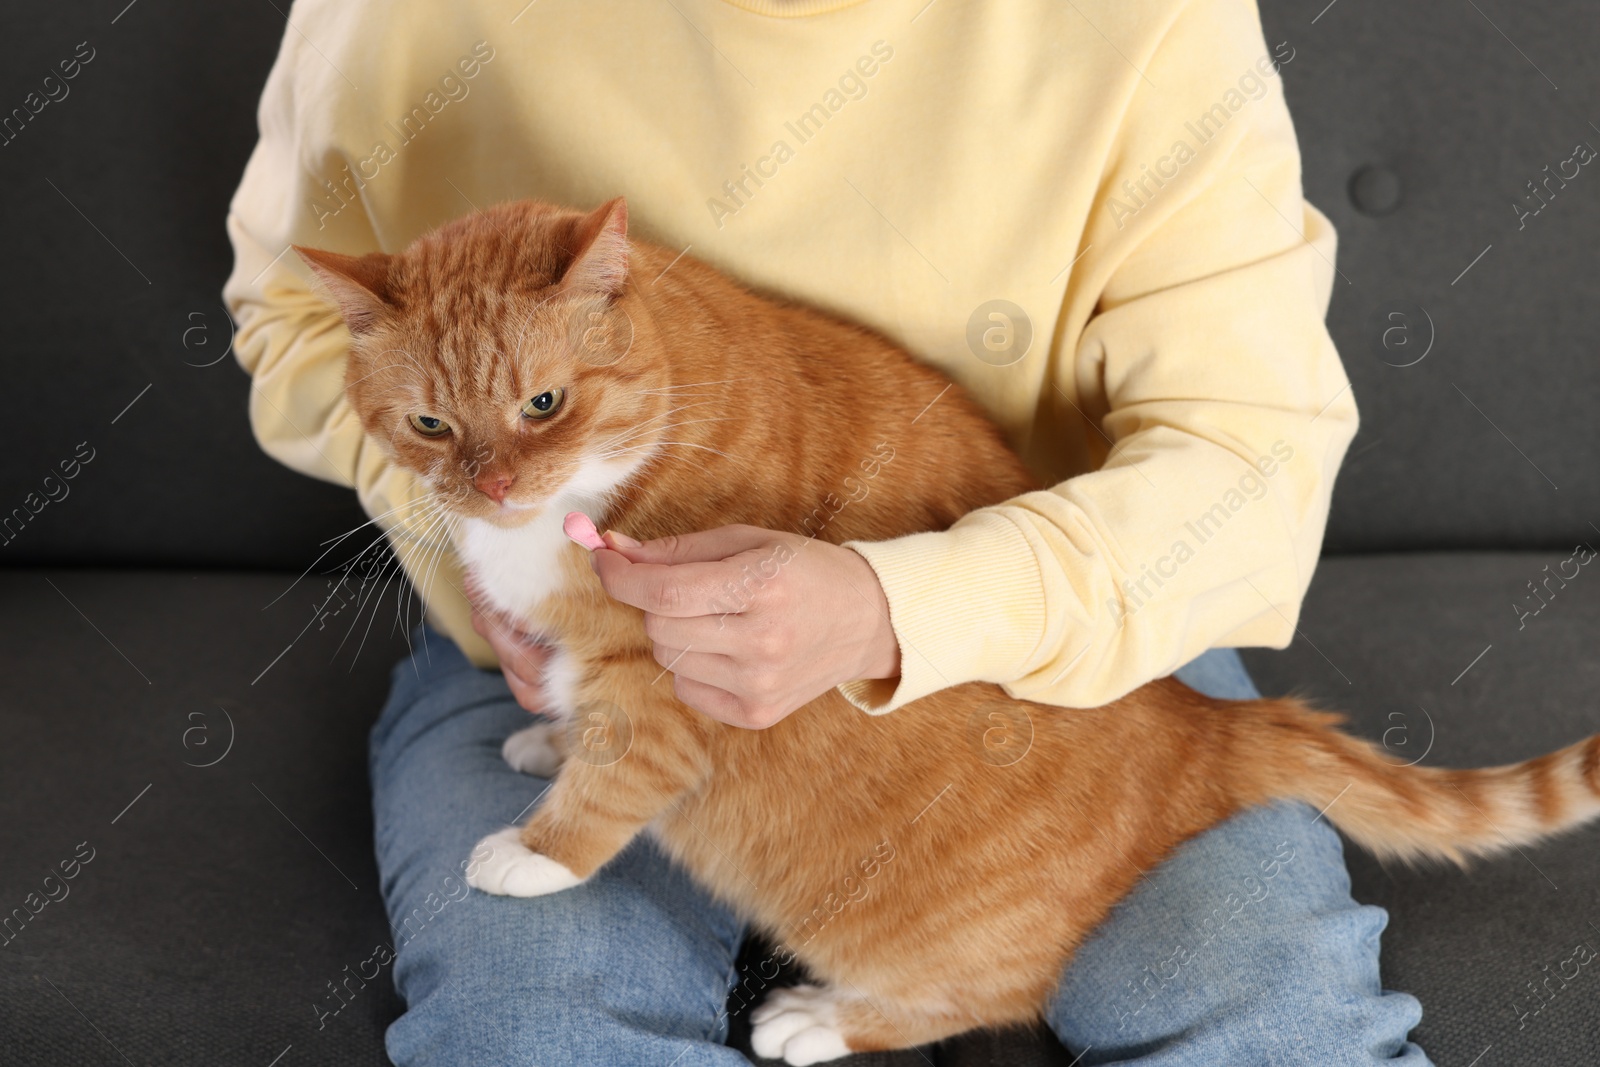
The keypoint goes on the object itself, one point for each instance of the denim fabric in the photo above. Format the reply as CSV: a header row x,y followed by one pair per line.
x,y
634,966
1243,947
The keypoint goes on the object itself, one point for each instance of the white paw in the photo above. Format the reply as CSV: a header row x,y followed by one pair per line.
x,y
532,751
799,1026
511,869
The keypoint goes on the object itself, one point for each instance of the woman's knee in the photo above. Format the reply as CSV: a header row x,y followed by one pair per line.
x,y
1244,947
634,966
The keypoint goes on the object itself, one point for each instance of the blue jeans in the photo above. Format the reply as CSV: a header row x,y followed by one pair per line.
x,y
1244,947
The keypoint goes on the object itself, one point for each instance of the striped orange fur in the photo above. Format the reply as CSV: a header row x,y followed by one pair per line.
x,y
928,887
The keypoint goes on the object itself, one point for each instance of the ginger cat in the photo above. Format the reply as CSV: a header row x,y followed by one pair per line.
x,y
928,886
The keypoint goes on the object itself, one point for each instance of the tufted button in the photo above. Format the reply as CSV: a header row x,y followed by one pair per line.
x,y
1375,190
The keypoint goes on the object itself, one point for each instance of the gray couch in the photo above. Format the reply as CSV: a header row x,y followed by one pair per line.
x,y
188,742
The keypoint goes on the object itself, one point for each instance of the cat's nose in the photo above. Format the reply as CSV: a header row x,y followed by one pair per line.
x,y
494,486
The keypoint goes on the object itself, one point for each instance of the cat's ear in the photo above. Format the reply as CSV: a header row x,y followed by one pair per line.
x,y
359,285
599,251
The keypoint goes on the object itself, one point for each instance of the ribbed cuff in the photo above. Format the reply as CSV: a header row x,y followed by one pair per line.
x,y
966,604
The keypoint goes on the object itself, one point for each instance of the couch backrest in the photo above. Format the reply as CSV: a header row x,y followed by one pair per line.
x,y
116,253
1468,324
1465,307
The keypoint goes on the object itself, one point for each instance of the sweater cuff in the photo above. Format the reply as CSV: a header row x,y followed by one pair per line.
x,y
966,604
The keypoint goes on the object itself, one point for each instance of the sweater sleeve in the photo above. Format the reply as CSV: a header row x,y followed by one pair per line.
x,y
294,345
1205,365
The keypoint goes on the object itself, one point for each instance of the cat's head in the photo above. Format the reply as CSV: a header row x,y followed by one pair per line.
x,y
496,357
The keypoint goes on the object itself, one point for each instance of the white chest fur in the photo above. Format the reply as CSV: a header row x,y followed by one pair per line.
x,y
517,567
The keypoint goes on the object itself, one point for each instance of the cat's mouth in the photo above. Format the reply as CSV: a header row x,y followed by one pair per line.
x,y
509,513
505,513
515,508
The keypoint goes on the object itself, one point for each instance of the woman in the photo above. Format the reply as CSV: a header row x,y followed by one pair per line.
x,y
1088,214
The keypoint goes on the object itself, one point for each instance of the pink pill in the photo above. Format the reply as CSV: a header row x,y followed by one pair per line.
x,y
580,528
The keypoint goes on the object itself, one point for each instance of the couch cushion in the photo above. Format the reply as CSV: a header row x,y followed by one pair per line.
x,y
1433,650
218,902
211,757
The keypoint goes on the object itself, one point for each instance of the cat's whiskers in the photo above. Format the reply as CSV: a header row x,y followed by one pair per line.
x,y
341,538
402,605
451,528
652,447
441,525
416,528
643,429
667,389
431,572
424,512
637,442
419,536
373,594
397,568
636,435
414,503
442,516
643,426
628,441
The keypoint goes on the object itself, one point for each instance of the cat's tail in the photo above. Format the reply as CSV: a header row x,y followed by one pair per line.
x,y
1397,810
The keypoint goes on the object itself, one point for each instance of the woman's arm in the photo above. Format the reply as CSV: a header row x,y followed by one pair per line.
x,y
1197,348
1218,394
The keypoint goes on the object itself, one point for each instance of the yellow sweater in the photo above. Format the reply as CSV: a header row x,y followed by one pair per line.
x,y
1090,214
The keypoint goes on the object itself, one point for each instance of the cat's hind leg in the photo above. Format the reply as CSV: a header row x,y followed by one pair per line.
x,y
799,1025
535,749
808,1024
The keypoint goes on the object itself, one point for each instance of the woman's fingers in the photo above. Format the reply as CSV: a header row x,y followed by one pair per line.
x,y
530,696
522,658
719,704
681,590
523,667
724,635
707,667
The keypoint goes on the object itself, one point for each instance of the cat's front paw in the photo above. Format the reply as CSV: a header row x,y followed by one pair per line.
x,y
799,1025
533,750
511,869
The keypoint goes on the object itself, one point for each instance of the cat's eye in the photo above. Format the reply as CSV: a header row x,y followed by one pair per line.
x,y
428,426
545,404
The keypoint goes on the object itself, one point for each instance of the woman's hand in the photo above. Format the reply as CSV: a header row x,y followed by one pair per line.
x,y
753,623
522,656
